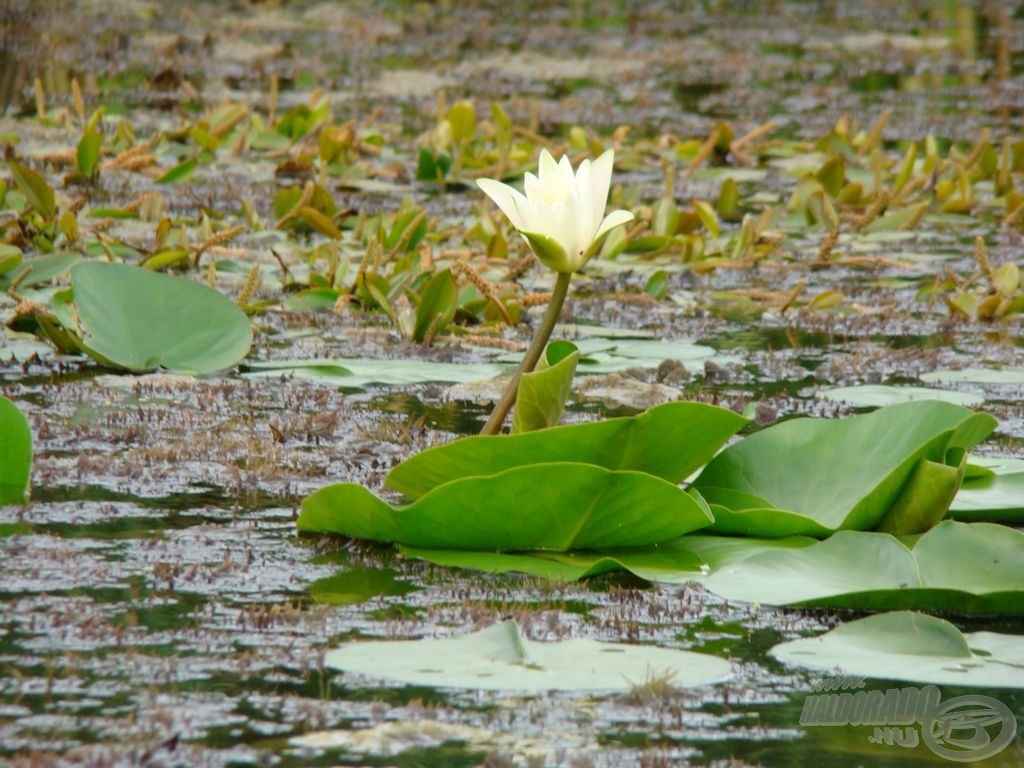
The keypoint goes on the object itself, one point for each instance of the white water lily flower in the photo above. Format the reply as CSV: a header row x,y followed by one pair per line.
x,y
561,215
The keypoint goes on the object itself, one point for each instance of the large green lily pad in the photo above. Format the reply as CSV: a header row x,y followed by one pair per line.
x,y
898,466
133,318
669,441
555,506
500,658
912,646
15,453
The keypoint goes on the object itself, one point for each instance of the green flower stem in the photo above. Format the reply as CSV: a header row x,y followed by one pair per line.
x,y
540,340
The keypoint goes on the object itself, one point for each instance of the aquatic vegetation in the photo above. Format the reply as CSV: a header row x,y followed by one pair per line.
x,y
795,250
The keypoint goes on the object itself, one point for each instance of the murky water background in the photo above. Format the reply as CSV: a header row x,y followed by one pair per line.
x,y
162,610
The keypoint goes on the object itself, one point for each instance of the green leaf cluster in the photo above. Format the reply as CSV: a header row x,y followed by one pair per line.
x,y
833,512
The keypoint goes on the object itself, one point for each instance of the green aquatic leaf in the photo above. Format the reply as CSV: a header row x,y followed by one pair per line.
x,y
669,441
179,172
912,646
15,453
88,152
311,299
500,658
540,401
816,476
133,318
10,259
34,187
437,306
554,506
39,270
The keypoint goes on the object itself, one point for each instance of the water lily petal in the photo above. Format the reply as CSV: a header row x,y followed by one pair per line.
x,y
587,217
535,190
565,174
547,168
600,180
510,200
612,220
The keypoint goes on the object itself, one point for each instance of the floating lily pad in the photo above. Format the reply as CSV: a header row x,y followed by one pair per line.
x,y
976,376
912,646
500,658
359,372
955,567
816,476
554,506
669,441
998,498
141,320
878,395
15,453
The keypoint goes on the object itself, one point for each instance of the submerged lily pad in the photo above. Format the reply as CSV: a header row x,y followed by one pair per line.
x,y
141,320
500,658
899,466
554,506
670,441
15,453
912,646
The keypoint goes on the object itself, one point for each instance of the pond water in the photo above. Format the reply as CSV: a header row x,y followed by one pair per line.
x,y
156,604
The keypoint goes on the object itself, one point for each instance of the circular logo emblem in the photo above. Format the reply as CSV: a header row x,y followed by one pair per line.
x,y
969,728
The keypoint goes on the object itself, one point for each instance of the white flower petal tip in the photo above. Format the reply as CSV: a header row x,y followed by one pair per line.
x,y
561,215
